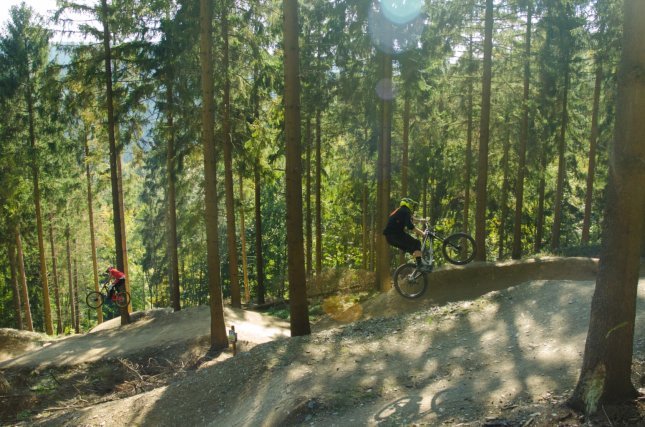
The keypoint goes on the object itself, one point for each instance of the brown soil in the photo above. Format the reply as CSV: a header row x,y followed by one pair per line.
x,y
488,345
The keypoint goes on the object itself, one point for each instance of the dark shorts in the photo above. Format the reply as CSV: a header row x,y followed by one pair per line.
x,y
404,242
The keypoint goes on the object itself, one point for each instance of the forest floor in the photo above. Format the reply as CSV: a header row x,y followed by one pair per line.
x,y
489,345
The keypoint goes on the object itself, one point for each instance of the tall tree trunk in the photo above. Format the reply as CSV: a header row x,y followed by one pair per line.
x,y
557,209
59,318
219,339
49,326
469,140
29,324
228,168
505,190
259,259
406,142
593,143
14,285
119,237
383,281
308,226
318,193
364,218
245,269
539,220
70,281
77,321
173,262
484,134
606,367
90,214
299,319
524,127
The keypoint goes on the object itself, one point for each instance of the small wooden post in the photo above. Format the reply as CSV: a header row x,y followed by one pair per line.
x,y
232,339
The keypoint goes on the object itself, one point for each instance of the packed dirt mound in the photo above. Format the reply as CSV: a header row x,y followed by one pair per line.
x,y
13,342
150,331
450,283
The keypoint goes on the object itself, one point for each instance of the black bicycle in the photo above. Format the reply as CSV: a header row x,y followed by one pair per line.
x,y
96,299
458,248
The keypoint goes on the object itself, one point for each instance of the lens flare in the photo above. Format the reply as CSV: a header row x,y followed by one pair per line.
x,y
396,26
385,89
401,11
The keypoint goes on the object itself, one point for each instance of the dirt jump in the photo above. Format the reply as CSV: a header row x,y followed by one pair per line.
x,y
490,344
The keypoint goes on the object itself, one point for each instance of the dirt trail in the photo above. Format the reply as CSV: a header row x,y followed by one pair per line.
x,y
506,349
153,330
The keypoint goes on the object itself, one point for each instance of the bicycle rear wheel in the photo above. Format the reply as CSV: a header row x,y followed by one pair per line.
x,y
122,299
459,248
409,282
94,299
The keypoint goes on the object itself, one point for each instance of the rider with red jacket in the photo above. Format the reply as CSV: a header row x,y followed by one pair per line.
x,y
117,280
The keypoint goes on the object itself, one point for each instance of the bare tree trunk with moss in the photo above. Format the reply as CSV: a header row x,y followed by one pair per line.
x,y
173,262
298,305
59,319
11,250
90,214
77,321
484,135
593,143
219,338
29,324
606,366
523,143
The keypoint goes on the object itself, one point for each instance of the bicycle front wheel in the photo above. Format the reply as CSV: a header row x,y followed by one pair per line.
x,y
459,248
122,299
409,282
94,299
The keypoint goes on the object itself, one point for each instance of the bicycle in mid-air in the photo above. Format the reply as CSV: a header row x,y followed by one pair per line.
x,y
457,248
96,299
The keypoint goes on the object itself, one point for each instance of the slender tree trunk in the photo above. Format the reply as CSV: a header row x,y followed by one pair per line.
x,y
484,132
469,141
124,248
59,318
29,324
539,220
606,367
557,209
318,193
219,339
245,270
383,281
364,218
298,305
173,262
228,168
259,259
77,321
119,237
90,213
14,285
593,143
70,281
49,326
308,225
404,148
506,186
521,168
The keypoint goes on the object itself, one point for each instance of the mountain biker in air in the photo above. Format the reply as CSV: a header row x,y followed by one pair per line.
x,y
117,279
395,232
